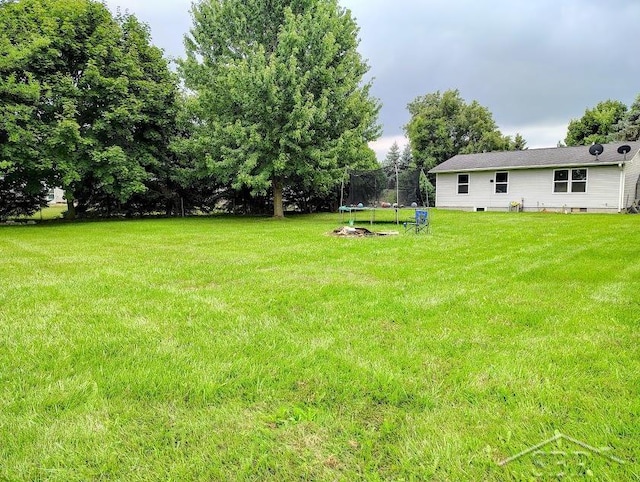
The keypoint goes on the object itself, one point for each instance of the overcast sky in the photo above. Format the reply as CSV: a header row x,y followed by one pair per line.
x,y
534,64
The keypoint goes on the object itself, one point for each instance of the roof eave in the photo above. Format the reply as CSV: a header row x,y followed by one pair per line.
x,y
435,170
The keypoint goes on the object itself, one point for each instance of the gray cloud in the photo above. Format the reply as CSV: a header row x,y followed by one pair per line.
x,y
531,63
535,65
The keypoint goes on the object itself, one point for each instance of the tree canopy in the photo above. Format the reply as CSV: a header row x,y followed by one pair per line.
x,y
280,98
22,169
93,101
275,106
596,125
442,125
628,127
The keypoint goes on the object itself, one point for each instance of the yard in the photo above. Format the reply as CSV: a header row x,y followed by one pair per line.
x,y
230,348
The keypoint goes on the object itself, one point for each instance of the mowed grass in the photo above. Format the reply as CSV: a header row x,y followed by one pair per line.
x,y
251,349
45,214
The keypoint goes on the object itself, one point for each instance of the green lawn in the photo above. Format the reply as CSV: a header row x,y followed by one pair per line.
x,y
45,214
252,349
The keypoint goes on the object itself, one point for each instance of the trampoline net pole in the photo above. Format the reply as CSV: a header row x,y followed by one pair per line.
x,y
397,194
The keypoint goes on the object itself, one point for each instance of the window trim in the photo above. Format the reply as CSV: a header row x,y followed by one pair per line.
x,y
460,184
570,181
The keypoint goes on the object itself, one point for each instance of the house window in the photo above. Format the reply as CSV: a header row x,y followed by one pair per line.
x,y
578,180
463,183
570,180
502,182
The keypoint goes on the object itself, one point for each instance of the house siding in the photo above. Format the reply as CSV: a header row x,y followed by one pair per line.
x,y
56,196
531,187
632,174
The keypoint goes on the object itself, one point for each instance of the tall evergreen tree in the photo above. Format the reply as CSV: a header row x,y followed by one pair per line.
x,y
628,128
519,143
406,158
281,102
392,159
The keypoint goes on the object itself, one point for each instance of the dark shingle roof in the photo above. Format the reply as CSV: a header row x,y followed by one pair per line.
x,y
533,158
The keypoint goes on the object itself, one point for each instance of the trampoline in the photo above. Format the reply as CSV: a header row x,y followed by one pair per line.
x,y
368,194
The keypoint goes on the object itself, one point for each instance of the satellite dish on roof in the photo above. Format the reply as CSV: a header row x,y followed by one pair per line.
x,y
596,150
624,150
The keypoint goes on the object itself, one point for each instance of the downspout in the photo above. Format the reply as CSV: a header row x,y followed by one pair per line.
x,y
621,189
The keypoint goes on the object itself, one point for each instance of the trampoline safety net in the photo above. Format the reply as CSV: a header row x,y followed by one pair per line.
x,y
380,188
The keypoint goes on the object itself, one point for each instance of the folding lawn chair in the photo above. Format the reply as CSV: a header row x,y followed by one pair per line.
x,y
419,224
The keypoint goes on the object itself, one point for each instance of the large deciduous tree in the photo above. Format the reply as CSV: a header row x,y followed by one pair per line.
x,y
442,125
280,92
596,125
22,168
100,98
145,129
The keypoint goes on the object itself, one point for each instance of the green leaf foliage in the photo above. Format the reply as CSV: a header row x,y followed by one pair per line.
x,y
279,95
596,125
442,125
97,98
21,189
628,128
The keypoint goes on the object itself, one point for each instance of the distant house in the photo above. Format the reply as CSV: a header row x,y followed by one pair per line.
x,y
563,179
55,196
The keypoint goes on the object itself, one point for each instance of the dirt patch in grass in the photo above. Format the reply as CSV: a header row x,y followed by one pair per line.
x,y
351,231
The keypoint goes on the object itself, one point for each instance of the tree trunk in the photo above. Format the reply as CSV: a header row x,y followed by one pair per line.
x,y
278,210
71,210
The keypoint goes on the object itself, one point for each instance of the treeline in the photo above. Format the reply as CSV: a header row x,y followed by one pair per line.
x,y
608,121
265,111
443,124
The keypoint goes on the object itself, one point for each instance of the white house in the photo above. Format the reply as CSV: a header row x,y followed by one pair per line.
x,y
563,179
55,195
